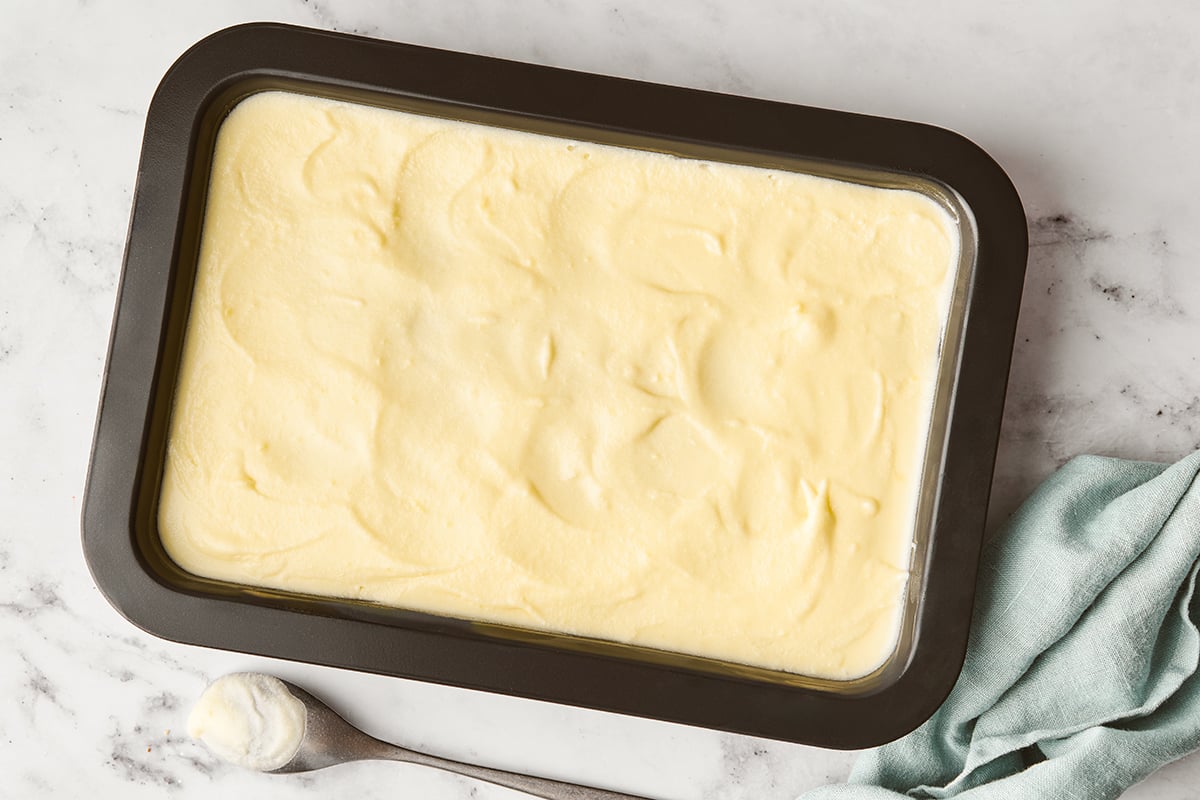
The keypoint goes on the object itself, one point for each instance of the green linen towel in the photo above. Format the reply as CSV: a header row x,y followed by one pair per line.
x,y
1081,673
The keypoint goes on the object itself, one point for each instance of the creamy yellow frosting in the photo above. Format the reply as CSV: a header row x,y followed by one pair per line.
x,y
565,386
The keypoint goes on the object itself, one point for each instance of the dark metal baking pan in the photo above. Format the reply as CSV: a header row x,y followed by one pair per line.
x,y
120,535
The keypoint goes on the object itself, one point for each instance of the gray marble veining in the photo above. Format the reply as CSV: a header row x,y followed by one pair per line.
x,y
1090,106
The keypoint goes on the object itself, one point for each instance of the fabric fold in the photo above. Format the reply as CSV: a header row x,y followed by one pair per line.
x,y
1081,672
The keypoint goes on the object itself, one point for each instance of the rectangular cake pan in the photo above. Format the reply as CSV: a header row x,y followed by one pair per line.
x,y
120,536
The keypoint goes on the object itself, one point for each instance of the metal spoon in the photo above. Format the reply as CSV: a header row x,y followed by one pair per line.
x,y
329,739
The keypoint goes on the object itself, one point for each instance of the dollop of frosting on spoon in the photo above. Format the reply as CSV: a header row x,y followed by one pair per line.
x,y
249,719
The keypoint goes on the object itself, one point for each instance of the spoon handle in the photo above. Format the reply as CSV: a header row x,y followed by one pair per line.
x,y
538,787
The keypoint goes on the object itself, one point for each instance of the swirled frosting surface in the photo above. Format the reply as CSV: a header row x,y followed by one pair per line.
x,y
565,386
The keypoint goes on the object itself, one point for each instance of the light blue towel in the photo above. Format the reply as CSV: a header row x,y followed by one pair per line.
x,y
1081,675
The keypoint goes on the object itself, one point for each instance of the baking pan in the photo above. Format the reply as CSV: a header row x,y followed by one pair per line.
x,y
120,537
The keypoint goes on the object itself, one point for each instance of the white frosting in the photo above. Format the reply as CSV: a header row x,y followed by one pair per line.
x,y
249,719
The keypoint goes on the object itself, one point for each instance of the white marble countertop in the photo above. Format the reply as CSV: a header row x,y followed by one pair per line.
x,y
1090,105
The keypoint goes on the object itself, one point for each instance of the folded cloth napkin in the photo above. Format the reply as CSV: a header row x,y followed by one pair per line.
x,y
1081,673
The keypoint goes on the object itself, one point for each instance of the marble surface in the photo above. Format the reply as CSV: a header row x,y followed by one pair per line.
x,y
1090,106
